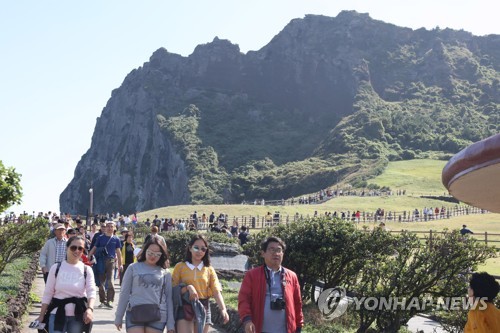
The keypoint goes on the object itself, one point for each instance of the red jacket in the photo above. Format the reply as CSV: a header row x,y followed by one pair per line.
x,y
251,299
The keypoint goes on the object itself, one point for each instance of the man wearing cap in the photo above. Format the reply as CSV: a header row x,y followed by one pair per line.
x,y
107,250
70,233
53,251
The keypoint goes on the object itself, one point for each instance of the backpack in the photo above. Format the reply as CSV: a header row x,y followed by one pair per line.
x,y
87,327
84,270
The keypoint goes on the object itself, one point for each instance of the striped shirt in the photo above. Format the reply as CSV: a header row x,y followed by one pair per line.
x,y
204,279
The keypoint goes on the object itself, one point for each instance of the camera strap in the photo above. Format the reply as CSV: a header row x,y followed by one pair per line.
x,y
268,280
109,240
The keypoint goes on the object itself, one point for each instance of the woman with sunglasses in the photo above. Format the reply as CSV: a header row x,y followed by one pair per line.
x,y
147,281
69,295
201,282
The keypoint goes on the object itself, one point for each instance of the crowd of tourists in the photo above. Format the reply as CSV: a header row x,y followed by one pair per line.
x,y
151,298
80,272
81,266
327,194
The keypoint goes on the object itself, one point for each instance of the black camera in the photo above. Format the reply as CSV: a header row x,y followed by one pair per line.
x,y
278,304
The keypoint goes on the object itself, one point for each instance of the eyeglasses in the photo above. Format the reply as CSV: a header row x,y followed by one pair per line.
x,y
153,254
276,250
196,248
74,248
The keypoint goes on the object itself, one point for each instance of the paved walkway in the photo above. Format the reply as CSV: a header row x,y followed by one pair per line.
x,y
104,318
423,324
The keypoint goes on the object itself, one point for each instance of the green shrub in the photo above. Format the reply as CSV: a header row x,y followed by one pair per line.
x,y
417,270
330,250
17,240
221,238
375,264
408,155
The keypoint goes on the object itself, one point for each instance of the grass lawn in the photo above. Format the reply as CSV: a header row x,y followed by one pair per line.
x,y
346,203
417,177
9,281
479,224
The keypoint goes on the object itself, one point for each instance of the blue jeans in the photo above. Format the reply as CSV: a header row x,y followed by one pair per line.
x,y
70,326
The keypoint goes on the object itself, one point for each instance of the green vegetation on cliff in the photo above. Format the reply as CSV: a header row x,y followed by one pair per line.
x,y
207,179
327,101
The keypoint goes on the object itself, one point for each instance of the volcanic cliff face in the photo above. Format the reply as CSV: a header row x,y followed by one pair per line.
x,y
326,98
131,163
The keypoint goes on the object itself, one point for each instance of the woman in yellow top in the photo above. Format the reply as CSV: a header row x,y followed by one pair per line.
x,y
201,282
484,317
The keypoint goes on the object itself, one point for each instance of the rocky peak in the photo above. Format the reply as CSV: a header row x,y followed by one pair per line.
x,y
277,103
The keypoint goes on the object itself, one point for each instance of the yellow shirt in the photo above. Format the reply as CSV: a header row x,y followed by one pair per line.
x,y
204,279
483,321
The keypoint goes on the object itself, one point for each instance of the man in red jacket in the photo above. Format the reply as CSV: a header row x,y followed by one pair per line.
x,y
269,300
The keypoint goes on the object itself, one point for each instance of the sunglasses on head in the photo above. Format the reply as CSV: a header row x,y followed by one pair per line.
x,y
196,248
74,248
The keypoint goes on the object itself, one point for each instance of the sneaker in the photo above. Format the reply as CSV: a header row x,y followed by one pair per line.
x,y
102,305
109,305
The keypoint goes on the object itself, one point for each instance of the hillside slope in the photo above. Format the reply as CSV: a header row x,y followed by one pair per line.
x,y
328,99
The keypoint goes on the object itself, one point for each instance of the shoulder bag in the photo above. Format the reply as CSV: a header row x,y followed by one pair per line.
x,y
147,313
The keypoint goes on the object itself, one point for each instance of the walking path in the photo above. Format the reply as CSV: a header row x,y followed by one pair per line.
x,y
423,324
103,318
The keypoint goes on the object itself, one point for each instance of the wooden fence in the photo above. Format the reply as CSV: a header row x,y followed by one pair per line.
x,y
260,222
486,237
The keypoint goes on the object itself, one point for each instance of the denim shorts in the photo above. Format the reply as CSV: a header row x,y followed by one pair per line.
x,y
208,321
157,325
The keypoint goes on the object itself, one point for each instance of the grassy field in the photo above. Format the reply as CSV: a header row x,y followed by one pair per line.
x,y
339,204
417,177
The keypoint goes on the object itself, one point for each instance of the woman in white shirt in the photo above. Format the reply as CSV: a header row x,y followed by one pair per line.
x,y
69,295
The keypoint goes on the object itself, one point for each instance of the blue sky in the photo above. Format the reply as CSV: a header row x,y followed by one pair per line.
x,y
60,60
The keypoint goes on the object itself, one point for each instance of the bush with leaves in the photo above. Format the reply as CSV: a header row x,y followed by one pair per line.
x,y
374,263
330,250
140,231
10,187
434,268
17,240
453,321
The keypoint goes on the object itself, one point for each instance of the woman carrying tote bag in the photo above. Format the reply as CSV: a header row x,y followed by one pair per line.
x,y
146,292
